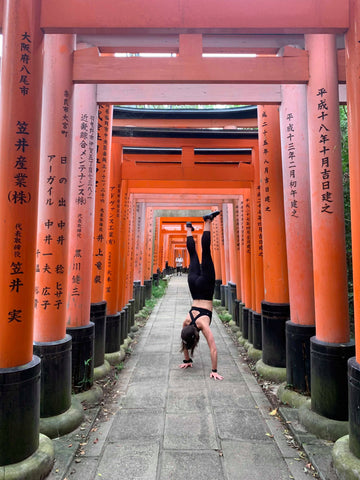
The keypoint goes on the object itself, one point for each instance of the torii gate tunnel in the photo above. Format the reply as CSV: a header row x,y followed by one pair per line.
x,y
94,197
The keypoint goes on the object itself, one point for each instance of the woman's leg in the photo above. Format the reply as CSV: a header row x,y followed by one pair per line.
x,y
194,266
207,264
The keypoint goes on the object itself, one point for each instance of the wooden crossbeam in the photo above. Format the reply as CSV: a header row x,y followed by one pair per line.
x,y
212,16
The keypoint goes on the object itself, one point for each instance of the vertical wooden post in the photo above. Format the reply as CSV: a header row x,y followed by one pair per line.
x,y
225,224
242,258
238,272
124,213
98,304
275,306
149,225
20,124
296,180
51,342
112,259
217,258
82,206
352,56
247,264
232,284
331,347
257,254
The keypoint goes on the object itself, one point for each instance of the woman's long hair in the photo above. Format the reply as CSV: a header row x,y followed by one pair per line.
x,y
189,338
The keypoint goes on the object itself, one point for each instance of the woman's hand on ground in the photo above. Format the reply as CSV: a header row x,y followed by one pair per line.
x,y
185,365
216,376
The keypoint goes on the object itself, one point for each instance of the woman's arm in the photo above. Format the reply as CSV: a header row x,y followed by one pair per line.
x,y
213,351
187,360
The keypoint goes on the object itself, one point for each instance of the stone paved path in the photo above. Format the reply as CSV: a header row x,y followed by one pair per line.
x,y
174,424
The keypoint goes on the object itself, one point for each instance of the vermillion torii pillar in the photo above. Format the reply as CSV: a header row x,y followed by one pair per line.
x,y
227,256
331,347
21,82
238,299
82,207
296,180
257,269
148,253
247,231
98,304
233,284
113,338
353,98
217,258
275,306
51,342
138,287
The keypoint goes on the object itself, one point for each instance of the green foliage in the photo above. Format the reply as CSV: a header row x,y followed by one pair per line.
x,y
216,302
158,291
346,187
225,317
119,367
223,314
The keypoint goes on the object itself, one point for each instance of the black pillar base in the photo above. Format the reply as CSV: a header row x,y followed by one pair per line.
x,y
257,330
19,411
83,346
113,333
98,317
136,295
217,294
241,307
236,312
231,299
298,371
226,297
148,289
155,279
250,326
354,402
245,323
329,386
122,326
131,305
142,295
55,385
126,321
222,295
273,319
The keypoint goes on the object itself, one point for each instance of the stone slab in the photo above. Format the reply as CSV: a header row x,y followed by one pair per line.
x,y
137,425
246,461
191,465
180,400
189,431
240,424
140,395
129,461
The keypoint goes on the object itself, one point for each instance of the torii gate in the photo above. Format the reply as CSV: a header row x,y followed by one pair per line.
x,y
147,80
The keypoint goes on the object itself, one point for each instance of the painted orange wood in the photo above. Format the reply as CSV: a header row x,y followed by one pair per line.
x,y
52,267
296,182
112,278
21,82
92,67
101,201
277,16
353,90
327,208
272,206
247,250
82,205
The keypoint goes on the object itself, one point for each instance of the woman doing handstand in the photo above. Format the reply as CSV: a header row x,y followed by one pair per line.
x,y
201,280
